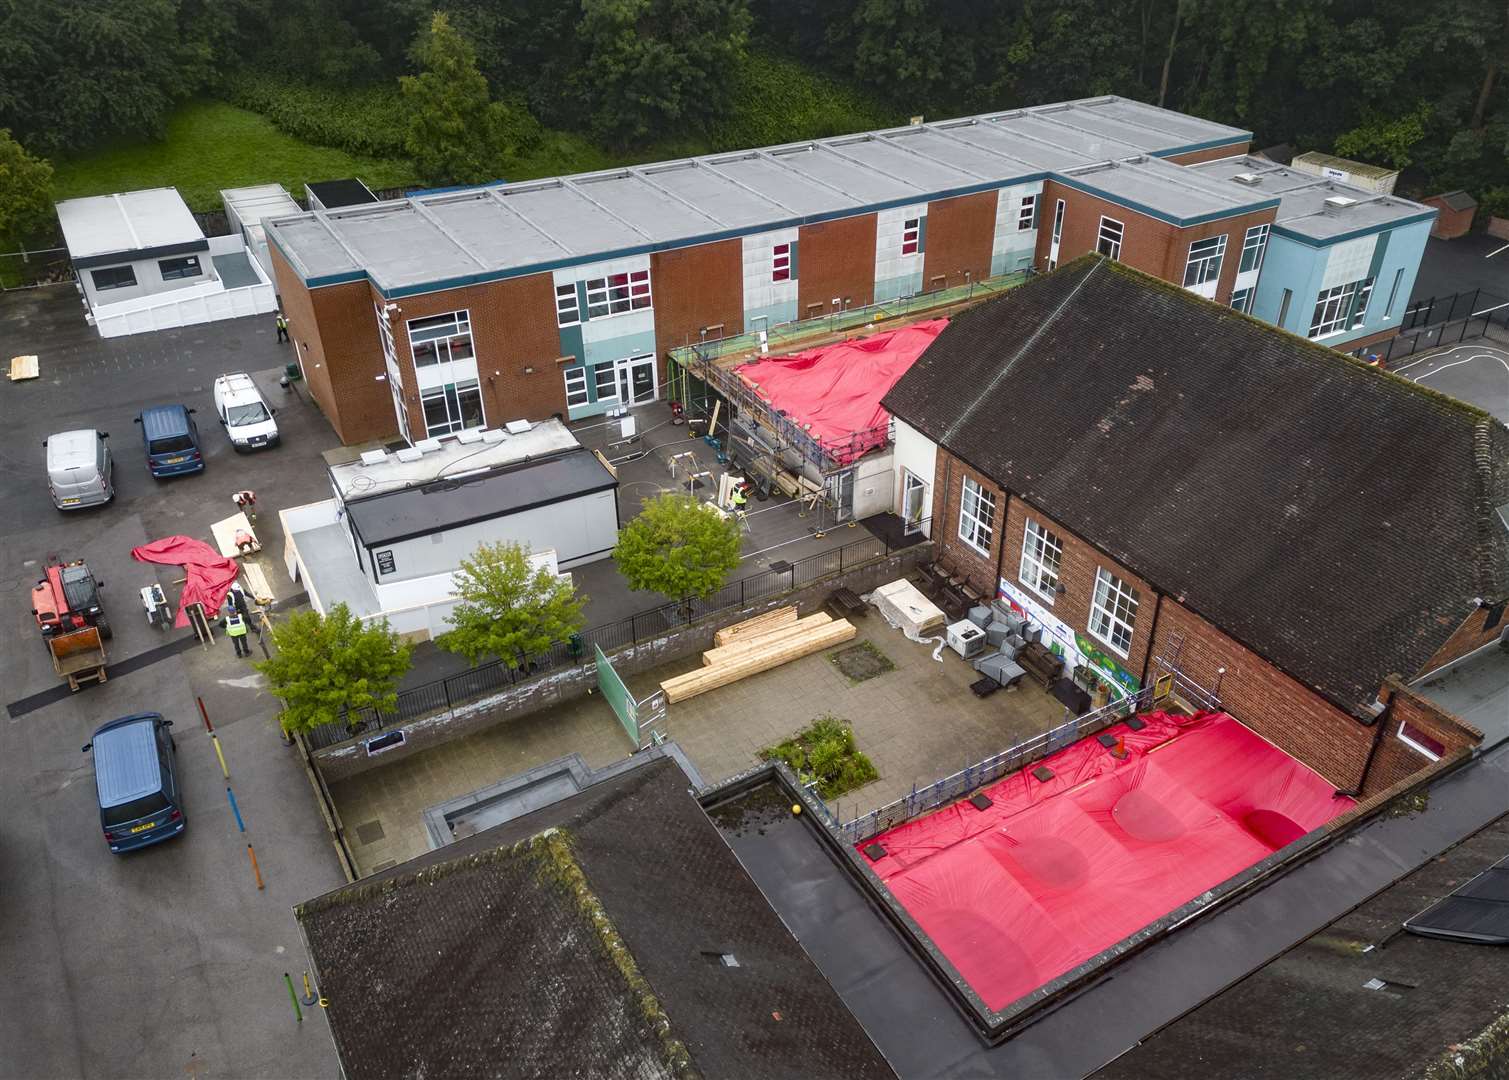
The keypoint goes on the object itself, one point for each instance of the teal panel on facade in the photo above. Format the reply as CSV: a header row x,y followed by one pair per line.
x,y
764,318
922,234
571,341
794,269
617,348
891,288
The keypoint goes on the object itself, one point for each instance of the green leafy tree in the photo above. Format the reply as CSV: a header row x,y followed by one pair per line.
x,y
326,665
456,134
25,194
1384,140
678,548
509,608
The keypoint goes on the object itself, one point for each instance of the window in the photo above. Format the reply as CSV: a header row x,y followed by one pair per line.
x,y
121,813
567,311
451,408
1332,307
1058,220
1360,315
606,379
911,233
1109,243
1026,216
977,517
576,386
780,262
618,293
385,332
1253,246
1283,308
1416,739
1113,611
172,269
441,338
1393,293
1041,554
1241,300
1204,261
113,277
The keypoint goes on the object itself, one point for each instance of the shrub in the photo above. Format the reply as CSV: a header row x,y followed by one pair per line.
x,y
367,120
777,101
826,752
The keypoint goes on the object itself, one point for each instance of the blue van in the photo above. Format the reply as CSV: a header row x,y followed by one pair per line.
x,y
136,775
172,440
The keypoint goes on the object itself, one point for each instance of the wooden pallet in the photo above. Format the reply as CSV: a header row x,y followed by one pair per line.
x,y
777,653
753,627
743,646
23,367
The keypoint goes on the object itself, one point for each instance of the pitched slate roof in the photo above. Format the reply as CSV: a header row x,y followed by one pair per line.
x,y
1336,520
584,939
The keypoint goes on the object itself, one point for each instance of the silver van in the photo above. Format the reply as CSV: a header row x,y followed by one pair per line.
x,y
78,469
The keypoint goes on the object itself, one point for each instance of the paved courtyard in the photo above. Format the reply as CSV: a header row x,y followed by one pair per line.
x,y
917,722
1476,372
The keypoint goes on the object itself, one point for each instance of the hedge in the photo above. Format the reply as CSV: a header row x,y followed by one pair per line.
x,y
365,120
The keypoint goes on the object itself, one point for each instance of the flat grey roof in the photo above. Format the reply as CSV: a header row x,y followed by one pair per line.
x,y
127,222
1302,199
1166,189
252,204
431,241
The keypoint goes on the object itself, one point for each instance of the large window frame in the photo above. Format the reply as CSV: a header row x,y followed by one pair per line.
x,y
1113,612
1420,742
977,516
1333,310
576,387
605,383
456,400
1026,215
1204,262
177,269
1360,309
568,309
441,339
1042,561
618,294
1241,300
113,277
1388,312
1254,246
1108,240
780,262
911,236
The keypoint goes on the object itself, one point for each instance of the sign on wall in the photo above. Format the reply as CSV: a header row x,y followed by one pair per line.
x,y
1072,646
385,563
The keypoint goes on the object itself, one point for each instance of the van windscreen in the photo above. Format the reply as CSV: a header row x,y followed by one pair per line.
x,y
174,445
136,808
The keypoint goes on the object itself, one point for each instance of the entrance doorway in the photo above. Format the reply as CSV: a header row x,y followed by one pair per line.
x,y
637,382
914,503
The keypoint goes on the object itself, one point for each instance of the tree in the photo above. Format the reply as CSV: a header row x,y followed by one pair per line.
x,y
324,666
509,609
456,134
678,548
25,193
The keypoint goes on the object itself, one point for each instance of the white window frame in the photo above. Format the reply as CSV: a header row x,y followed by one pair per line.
x,y
780,263
1040,548
1419,748
618,294
1105,612
1255,243
1026,215
911,236
1203,264
578,376
441,337
971,498
1241,300
1364,296
568,310
1393,295
1333,309
611,371
1059,212
1110,236
441,392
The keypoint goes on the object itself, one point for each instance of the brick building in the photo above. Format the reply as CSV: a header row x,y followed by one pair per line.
x,y
1162,482
441,312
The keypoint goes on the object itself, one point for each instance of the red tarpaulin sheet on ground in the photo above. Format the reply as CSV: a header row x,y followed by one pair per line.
x,y
1056,871
834,391
209,574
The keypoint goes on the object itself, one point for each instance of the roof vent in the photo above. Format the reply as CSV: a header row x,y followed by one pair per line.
x,y
492,435
517,427
427,446
408,453
1251,179
1339,202
374,457
469,436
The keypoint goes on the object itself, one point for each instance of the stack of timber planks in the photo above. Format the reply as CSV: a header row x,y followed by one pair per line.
x,y
759,644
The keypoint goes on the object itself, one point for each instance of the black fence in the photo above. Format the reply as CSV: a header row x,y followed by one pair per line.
x,y
476,682
1397,349
1445,309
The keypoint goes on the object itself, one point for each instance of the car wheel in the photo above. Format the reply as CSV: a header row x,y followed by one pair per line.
x,y
103,626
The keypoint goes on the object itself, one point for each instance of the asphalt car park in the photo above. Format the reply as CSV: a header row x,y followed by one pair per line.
x,y
169,960
1474,372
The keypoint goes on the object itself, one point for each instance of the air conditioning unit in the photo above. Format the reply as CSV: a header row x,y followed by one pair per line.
x,y
1251,179
408,453
1339,202
469,436
966,639
517,427
427,446
374,457
491,436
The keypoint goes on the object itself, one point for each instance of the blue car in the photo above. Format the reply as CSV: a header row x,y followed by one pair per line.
x,y
136,775
172,440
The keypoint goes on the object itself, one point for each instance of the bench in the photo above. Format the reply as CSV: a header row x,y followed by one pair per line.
x,y
844,602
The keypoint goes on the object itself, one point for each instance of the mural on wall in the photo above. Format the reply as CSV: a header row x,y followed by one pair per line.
x,y
1072,646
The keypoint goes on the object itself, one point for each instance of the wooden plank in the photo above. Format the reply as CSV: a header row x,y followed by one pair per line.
x,y
741,647
224,532
23,367
704,679
757,625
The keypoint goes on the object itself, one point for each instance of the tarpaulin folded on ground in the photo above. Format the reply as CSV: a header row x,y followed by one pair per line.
x,y
1054,872
209,574
834,391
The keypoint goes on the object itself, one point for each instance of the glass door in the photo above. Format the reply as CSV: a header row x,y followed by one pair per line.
x,y
636,380
913,502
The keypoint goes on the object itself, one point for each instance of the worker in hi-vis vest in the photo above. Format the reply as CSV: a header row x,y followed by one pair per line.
x,y
235,629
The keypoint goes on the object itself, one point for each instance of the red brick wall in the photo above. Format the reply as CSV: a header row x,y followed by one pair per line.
x,y
1155,247
959,236
948,489
1395,760
1212,154
1471,635
1449,223
694,288
837,259
1077,571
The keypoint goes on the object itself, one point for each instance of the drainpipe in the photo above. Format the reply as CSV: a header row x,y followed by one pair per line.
x,y
1152,637
1380,722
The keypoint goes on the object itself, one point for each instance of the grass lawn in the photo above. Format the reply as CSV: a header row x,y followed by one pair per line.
x,y
211,145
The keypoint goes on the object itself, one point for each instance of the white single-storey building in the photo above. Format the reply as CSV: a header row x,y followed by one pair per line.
x,y
245,209
134,244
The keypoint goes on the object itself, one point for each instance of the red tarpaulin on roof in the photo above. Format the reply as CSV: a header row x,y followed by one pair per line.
x,y
1056,871
209,574
834,391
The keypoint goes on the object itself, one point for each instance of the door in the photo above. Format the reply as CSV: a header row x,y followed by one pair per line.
x,y
841,495
913,502
636,380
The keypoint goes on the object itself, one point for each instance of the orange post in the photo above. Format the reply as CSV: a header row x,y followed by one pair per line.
x,y
257,870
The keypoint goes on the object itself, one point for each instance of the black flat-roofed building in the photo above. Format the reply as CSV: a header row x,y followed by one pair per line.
x,y
333,194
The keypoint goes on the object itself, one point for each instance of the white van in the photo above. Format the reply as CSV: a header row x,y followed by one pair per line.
x,y
245,415
78,469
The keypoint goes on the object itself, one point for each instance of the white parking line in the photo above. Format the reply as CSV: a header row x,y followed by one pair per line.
x,y
1459,363
1491,352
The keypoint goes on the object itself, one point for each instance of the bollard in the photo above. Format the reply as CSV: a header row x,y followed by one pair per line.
x,y
216,740
309,997
231,795
255,868
293,996
204,714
